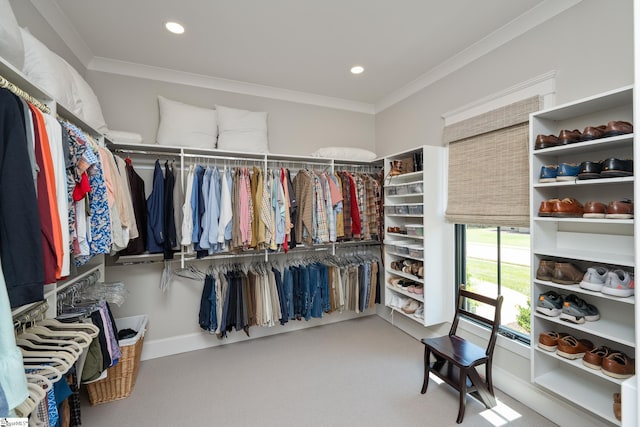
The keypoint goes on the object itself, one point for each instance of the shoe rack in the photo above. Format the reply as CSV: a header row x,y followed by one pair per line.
x,y
584,242
416,234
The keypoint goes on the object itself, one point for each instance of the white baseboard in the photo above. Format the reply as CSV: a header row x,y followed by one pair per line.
x,y
200,340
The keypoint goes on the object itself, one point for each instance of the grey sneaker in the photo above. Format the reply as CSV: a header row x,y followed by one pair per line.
x,y
619,284
594,278
576,310
550,303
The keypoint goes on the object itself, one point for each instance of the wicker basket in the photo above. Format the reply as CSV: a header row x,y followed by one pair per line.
x,y
121,378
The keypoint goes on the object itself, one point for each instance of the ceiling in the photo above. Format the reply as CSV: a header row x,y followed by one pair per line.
x,y
301,47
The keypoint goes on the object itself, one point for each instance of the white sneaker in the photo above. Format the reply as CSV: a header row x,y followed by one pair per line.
x,y
419,312
619,284
595,278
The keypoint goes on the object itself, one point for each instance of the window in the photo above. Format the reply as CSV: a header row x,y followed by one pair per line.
x,y
496,260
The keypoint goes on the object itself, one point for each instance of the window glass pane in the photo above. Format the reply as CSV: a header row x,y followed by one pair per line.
x,y
497,261
515,279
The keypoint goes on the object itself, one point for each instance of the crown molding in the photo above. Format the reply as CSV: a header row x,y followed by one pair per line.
x,y
51,12
543,85
520,25
131,69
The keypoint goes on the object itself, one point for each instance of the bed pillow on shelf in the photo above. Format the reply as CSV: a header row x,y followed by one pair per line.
x,y
85,97
49,72
242,130
11,45
345,153
186,125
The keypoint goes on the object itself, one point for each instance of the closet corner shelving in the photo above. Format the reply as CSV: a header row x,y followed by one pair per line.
x,y
15,76
414,202
585,243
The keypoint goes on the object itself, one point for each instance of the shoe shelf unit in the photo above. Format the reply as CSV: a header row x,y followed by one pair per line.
x,y
416,234
583,242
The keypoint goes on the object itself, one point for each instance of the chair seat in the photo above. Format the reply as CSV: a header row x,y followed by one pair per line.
x,y
457,350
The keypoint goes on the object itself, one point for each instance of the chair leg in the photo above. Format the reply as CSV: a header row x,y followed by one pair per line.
x,y
427,363
463,396
489,379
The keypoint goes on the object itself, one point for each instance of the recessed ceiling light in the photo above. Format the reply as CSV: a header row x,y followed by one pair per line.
x,y
357,69
174,27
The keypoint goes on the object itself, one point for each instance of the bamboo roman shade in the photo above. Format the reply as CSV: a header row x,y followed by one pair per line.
x,y
489,166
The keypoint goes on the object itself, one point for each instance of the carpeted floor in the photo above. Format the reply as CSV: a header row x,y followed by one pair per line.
x,y
362,372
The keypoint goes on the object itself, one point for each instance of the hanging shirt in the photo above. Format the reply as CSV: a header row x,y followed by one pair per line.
x,y
205,219
20,239
226,208
214,210
155,213
187,218
169,218
195,206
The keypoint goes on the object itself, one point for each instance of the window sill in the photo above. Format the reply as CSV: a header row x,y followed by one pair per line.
x,y
519,348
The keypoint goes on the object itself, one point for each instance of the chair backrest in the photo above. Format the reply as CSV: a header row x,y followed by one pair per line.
x,y
466,299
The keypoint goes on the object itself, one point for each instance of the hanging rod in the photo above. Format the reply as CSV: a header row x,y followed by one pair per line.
x,y
151,153
34,313
212,156
24,95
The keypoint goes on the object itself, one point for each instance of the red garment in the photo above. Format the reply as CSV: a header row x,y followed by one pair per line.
x,y
82,188
356,222
285,244
46,222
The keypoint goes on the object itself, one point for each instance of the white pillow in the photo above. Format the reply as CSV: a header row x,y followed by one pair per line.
x,y
345,153
124,137
87,101
186,125
49,72
242,130
11,45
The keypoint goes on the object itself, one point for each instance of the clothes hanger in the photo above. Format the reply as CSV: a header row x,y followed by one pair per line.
x,y
67,357
32,346
88,328
36,395
78,336
49,372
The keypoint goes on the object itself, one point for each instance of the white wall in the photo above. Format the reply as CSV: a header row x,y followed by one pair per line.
x,y
590,46
130,104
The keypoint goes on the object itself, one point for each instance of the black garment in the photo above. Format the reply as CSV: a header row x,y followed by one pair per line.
x,y
169,219
293,209
96,319
74,399
20,240
136,188
155,213
204,316
284,310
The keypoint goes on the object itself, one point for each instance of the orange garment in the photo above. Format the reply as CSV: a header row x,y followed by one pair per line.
x,y
51,188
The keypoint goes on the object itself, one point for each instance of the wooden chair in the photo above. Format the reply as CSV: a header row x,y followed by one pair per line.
x,y
456,359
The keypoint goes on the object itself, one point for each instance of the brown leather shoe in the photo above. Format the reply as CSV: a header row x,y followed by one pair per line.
x,y
546,141
567,208
593,359
549,340
594,209
545,269
617,406
565,273
621,209
573,348
618,128
618,365
546,207
569,136
591,132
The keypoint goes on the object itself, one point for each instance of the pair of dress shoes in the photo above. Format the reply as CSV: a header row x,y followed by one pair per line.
x,y
566,136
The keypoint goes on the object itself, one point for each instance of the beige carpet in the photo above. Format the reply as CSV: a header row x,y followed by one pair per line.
x,y
362,372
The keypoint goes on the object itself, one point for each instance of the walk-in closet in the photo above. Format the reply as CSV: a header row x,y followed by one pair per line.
x,y
297,213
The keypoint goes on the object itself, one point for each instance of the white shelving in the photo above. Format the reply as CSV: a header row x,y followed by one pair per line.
x,y
583,242
423,190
